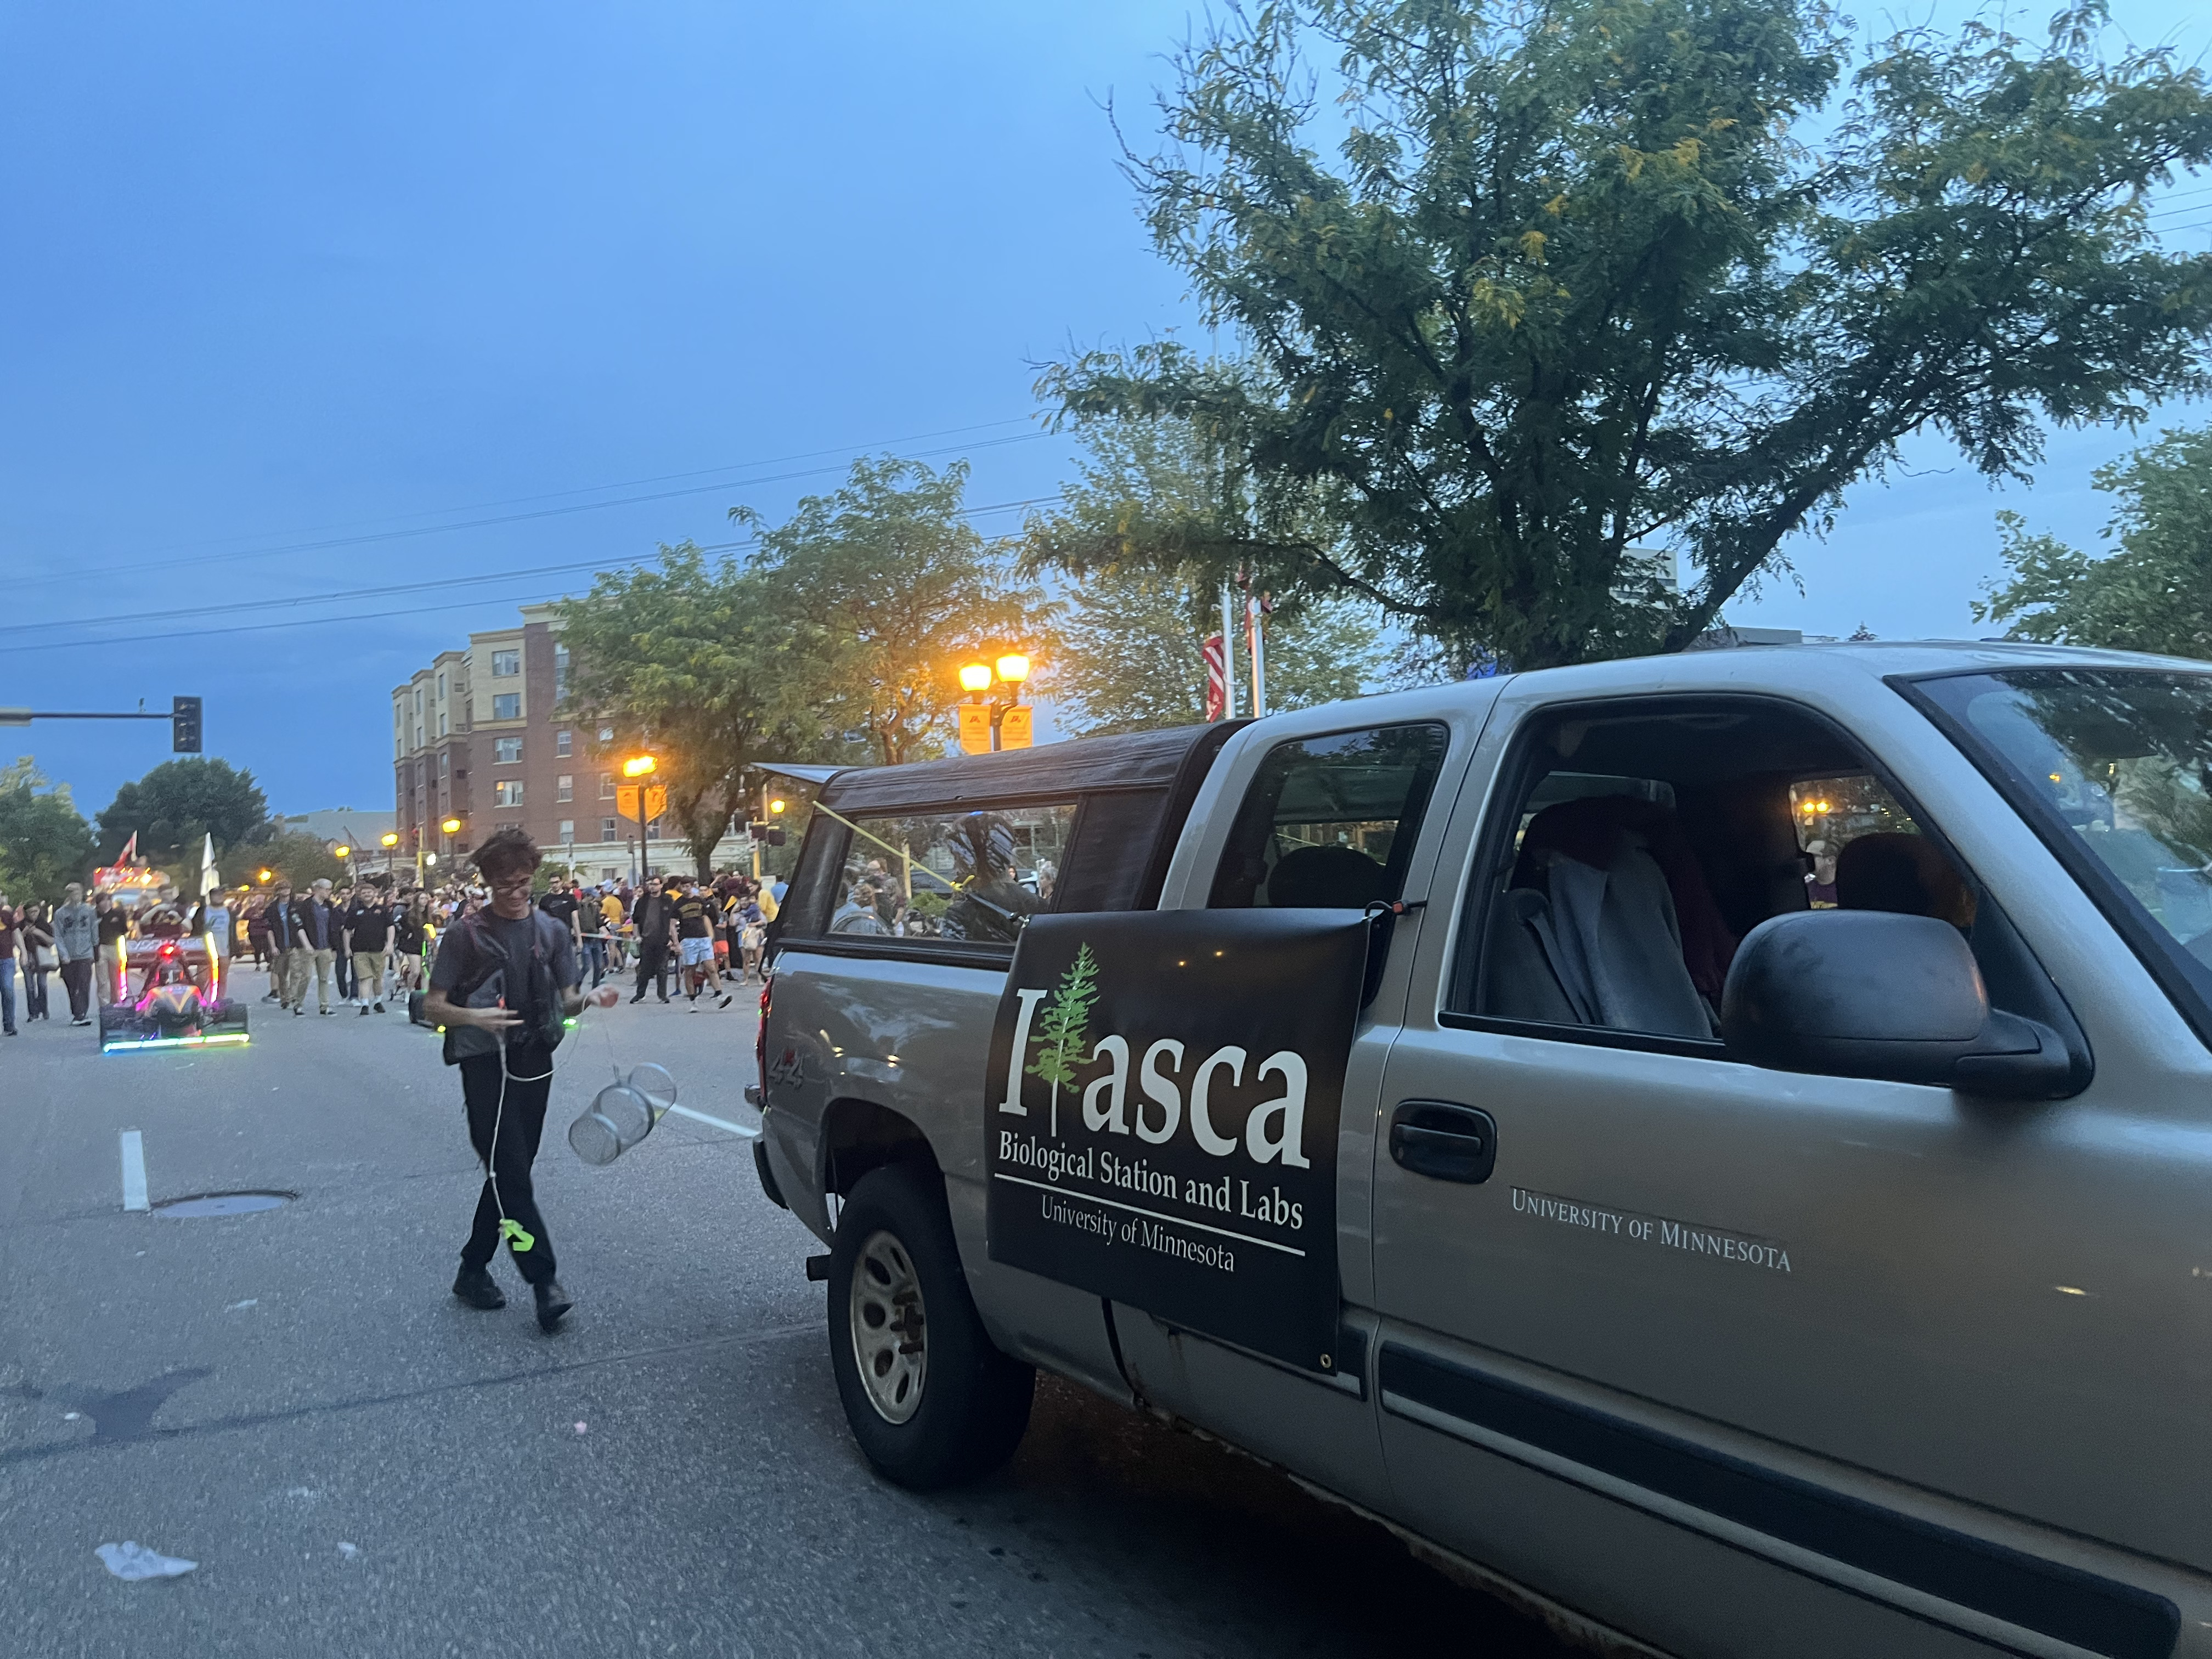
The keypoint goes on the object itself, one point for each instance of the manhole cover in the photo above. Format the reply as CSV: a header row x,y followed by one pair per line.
x,y
222,1203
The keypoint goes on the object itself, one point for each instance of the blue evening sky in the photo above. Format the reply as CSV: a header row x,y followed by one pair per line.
x,y
304,300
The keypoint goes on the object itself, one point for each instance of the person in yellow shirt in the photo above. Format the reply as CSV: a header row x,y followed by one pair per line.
x,y
610,912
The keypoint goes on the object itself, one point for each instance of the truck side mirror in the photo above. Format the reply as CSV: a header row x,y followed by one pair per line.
x,y
1869,993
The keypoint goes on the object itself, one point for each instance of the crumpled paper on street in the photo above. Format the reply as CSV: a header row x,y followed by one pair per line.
x,y
134,1561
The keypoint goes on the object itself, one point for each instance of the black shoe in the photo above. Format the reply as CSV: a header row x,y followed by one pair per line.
x,y
272,997
474,1286
326,1011
639,997
553,1305
726,1000
380,1008
299,1013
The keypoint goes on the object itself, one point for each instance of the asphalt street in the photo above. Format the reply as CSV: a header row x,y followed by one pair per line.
x,y
362,1465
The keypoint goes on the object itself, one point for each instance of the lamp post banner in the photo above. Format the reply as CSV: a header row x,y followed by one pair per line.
x,y
1161,1108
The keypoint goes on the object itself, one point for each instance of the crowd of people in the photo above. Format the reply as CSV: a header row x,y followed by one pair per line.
x,y
366,944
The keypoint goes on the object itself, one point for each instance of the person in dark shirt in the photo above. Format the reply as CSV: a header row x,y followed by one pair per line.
x,y
654,920
504,1084
368,919
114,928
694,911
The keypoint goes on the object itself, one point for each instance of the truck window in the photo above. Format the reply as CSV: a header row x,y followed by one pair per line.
x,y
1330,821
972,875
1640,842
2113,767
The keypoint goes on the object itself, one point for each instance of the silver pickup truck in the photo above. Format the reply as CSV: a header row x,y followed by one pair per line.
x,y
1718,1146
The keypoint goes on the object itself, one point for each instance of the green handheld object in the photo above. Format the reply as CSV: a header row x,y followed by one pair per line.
x,y
511,1230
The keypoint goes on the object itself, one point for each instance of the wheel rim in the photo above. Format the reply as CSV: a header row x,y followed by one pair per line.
x,y
890,1343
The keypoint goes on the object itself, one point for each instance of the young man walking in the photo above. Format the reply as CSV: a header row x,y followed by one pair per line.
x,y
368,930
76,942
322,930
503,982
655,923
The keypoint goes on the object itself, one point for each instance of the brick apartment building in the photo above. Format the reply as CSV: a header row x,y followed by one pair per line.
x,y
477,740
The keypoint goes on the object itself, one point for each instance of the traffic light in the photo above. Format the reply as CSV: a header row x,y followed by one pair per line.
x,y
184,726
768,834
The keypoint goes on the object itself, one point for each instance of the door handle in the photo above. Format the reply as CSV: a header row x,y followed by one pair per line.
x,y
1444,1141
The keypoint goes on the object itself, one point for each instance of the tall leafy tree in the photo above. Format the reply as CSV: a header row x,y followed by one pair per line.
x,y
1129,656
893,590
1580,281
701,663
2155,593
178,804
45,842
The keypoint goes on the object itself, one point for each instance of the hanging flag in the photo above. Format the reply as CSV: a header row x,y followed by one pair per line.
x,y
1216,678
208,879
130,853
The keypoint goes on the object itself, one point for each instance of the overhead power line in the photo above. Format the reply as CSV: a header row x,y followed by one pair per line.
x,y
369,537
387,590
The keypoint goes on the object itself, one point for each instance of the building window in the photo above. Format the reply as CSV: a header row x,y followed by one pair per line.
x,y
506,751
418,737
441,722
606,734
559,672
441,688
445,763
418,699
568,831
606,786
506,664
564,787
508,792
562,744
506,706
610,829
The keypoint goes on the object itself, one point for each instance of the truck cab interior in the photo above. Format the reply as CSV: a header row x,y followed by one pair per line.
x,y
1643,840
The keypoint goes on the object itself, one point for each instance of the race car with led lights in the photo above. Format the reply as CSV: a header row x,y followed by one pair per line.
x,y
171,992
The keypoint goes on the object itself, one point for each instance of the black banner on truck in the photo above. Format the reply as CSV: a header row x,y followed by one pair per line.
x,y
1161,1108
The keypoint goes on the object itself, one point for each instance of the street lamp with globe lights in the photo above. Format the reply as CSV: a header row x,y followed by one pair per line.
x,y
1010,671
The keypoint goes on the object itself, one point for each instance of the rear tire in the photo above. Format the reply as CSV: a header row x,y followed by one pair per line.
x,y
930,1401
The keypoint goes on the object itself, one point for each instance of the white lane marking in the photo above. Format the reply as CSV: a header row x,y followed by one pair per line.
x,y
133,1170
719,1123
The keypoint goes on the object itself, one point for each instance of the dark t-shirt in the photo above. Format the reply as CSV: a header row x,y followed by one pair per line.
x,y
515,937
114,925
561,906
7,934
694,917
370,924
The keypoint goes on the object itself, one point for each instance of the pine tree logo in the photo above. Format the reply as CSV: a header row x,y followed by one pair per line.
x,y
1065,1028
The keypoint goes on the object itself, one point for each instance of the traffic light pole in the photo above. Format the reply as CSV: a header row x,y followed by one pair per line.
x,y
184,718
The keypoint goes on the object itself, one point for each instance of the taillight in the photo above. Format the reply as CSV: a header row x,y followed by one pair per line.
x,y
760,1038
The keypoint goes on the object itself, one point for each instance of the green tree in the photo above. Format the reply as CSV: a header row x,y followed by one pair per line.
x,y
700,665
175,806
1130,653
299,858
1129,656
45,842
1582,281
1064,1028
891,590
2155,593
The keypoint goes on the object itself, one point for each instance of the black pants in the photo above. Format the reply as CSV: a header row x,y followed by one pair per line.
x,y
35,1001
77,975
520,1122
343,969
653,963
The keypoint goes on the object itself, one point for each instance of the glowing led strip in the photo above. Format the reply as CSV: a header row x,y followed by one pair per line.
x,y
220,1040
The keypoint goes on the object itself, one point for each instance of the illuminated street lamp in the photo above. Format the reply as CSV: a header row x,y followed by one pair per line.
x,y
341,851
1007,719
391,841
265,877
451,826
640,766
